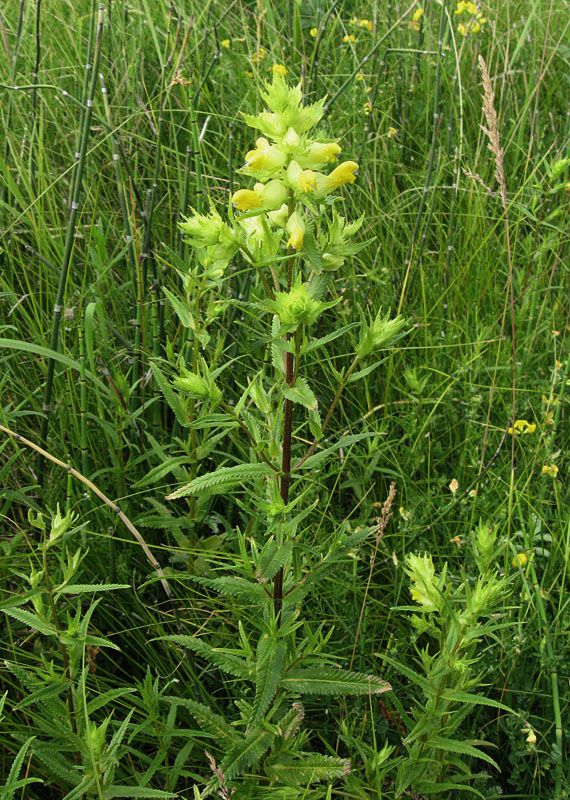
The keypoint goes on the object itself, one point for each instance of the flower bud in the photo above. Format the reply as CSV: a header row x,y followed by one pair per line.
x,y
296,307
202,230
380,334
192,384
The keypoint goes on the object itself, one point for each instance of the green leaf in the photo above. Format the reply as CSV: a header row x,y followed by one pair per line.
x,y
273,557
441,743
316,343
107,697
344,441
170,395
182,311
475,699
311,769
222,477
235,587
268,672
44,693
158,472
12,784
331,681
83,588
31,620
301,393
210,723
246,752
19,600
227,662
414,676
135,791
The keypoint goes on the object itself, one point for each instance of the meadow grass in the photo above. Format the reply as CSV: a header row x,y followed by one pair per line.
x,y
93,184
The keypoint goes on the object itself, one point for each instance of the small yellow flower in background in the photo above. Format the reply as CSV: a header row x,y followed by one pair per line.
x,y
471,8
349,38
522,426
313,32
474,27
279,69
225,43
392,133
481,18
367,107
248,74
550,469
354,21
259,55
462,29
296,230
453,487
460,7
360,76
520,560
365,23
418,14
456,540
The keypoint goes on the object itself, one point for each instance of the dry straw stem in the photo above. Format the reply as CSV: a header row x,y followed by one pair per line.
x,y
124,519
492,133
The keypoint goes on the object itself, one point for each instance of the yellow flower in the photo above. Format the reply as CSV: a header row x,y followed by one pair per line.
x,y
522,426
296,230
279,69
481,18
418,14
475,27
307,180
392,133
344,173
354,21
313,32
248,74
349,38
551,469
520,560
246,200
462,29
360,76
267,196
367,107
365,23
460,7
259,55
265,156
225,43
471,8
531,738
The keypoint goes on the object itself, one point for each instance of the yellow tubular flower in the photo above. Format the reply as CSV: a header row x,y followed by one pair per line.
x,y
344,173
265,156
307,181
460,7
462,29
475,27
279,69
418,14
296,231
471,8
246,200
225,43
551,469
313,32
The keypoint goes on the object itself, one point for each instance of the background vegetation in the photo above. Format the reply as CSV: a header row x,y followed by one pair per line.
x,y
97,166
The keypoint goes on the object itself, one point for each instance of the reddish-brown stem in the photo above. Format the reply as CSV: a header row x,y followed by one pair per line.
x,y
285,475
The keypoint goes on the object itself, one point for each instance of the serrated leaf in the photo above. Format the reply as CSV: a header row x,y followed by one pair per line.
x,y
246,752
301,393
81,588
268,672
107,697
464,748
316,343
12,784
311,769
331,681
211,723
476,700
344,441
414,676
169,395
43,694
19,600
235,587
273,557
182,311
227,662
158,472
30,620
224,476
